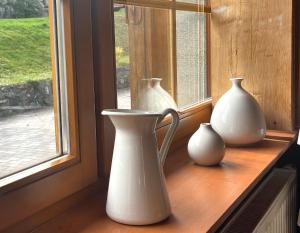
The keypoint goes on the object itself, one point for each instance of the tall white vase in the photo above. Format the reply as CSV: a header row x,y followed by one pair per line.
x,y
237,117
152,97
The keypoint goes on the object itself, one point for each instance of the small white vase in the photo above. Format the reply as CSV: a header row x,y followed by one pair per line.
x,y
237,117
206,147
152,97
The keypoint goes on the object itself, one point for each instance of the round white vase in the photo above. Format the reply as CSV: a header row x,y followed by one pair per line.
x,y
152,97
206,147
237,117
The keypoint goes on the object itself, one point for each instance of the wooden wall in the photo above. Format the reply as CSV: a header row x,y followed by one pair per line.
x,y
253,38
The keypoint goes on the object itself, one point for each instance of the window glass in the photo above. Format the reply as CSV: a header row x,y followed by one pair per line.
x,y
191,58
122,56
161,54
30,125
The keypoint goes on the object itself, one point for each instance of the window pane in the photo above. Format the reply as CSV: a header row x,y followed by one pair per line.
x,y
191,58
122,56
160,43
29,125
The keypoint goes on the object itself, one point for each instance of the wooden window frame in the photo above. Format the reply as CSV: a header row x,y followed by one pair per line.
x,y
171,4
32,190
91,66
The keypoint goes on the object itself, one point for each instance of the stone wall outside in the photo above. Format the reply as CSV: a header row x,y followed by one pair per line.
x,y
31,95
26,96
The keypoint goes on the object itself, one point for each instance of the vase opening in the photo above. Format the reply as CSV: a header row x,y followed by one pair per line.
x,y
156,79
237,81
206,125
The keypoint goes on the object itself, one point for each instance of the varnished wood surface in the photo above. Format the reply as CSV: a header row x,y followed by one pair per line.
x,y
296,63
253,38
281,135
105,79
174,5
201,197
30,223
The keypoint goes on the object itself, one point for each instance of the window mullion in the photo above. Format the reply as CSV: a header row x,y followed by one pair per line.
x,y
162,4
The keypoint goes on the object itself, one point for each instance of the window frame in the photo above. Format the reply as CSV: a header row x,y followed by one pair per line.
x,y
30,191
170,4
90,56
19,179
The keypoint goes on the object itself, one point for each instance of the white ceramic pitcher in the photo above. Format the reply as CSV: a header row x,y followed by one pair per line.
x,y
137,192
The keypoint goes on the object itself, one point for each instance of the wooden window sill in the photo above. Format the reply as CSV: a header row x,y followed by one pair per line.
x,y
201,197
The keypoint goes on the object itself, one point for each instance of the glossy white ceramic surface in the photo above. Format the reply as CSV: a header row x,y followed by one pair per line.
x,y
237,117
206,147
137,192
152,97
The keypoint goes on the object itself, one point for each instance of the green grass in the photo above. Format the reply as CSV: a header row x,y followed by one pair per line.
x,y
24,50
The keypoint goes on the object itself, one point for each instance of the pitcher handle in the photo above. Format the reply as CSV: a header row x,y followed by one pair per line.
x,y
170,134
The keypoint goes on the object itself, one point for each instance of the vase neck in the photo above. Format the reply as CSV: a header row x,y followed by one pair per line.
x,y
156,81
152,82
